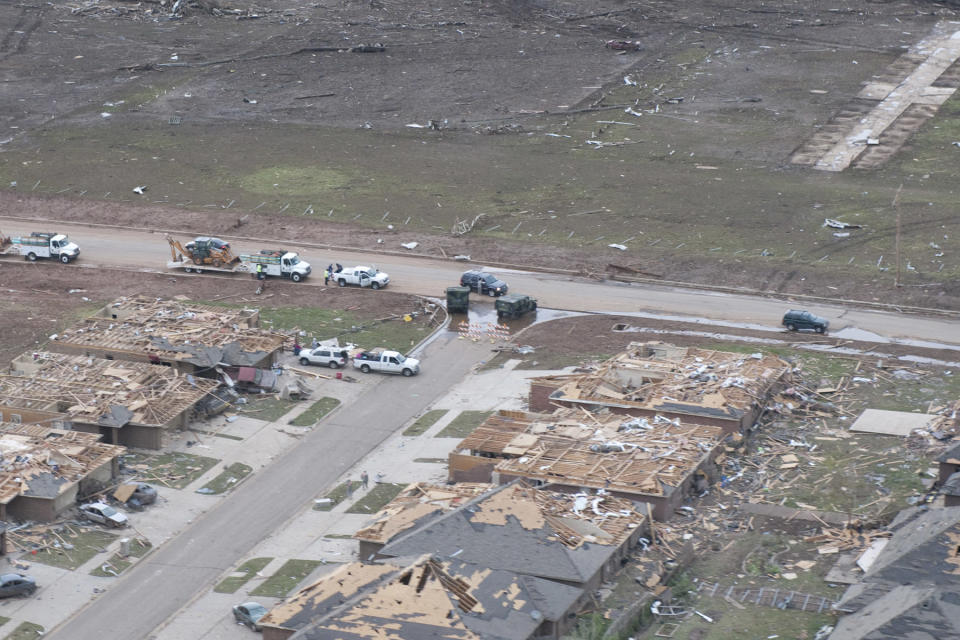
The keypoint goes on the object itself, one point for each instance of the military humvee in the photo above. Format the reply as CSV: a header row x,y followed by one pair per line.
x,y
514,305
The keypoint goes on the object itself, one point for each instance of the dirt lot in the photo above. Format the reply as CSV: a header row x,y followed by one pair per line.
x,y
299,118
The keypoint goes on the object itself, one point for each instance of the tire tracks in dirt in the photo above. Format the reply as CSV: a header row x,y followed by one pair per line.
x,y
15,40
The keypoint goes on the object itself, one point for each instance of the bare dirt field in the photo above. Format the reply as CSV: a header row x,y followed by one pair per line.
x,y
353,122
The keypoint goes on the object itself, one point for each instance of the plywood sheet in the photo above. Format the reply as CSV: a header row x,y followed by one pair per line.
x,y
891,423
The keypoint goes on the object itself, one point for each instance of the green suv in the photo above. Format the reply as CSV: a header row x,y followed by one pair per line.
x,y
795,320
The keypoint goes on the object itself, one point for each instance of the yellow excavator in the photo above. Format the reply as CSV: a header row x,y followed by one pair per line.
x,y
203,250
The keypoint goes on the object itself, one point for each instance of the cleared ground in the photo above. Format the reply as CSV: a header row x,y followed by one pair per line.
x,y
279,118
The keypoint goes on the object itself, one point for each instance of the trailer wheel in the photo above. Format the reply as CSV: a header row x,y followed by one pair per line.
x,y
32,257
365,368
64,258
295,277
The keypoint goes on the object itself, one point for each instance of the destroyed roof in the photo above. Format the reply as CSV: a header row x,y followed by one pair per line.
x,y
415,502
101,391
40,462
605,450
173,330
536,532
662,377
420,599
912,589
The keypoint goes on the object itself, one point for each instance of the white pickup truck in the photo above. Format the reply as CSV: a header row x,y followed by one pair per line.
x,y
362,277
386,361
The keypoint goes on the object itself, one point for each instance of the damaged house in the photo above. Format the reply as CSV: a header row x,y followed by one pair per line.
x,y
423,598
43,470
575,539
912,588
415,502
191,338
655,461
129,403
719,388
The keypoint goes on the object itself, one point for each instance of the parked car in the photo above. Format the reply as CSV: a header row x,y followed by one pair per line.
x,y
16,584
514,305
796,320
332,357
103,514
483,283
249,613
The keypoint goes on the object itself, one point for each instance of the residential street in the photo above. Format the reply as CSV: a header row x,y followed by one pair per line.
x,y
155,589
424,276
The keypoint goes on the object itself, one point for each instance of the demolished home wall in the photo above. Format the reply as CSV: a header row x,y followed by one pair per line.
x,y
708,387
651,461
185,336
129,403
21,415
42,470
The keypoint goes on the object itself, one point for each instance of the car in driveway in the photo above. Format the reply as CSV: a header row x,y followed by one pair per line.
x,y
333,357
482,282
249,613
16,584
103,514
799,320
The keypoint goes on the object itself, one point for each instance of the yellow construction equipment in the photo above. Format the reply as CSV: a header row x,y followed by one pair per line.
x,y
203,250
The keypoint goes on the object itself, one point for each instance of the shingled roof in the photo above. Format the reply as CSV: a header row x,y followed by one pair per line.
x,y
912,589
423,598
540,533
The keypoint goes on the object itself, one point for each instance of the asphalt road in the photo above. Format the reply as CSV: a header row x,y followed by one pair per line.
x,y
188,564
426,276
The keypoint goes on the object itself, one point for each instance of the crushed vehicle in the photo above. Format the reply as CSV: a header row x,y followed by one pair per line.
x,y
40,244
514,305
16,584
103,514
362,277
136,495
249,613
386,361
798,320
483,283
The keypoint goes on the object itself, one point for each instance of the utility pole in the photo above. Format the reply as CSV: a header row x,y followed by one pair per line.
x,y
896,204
